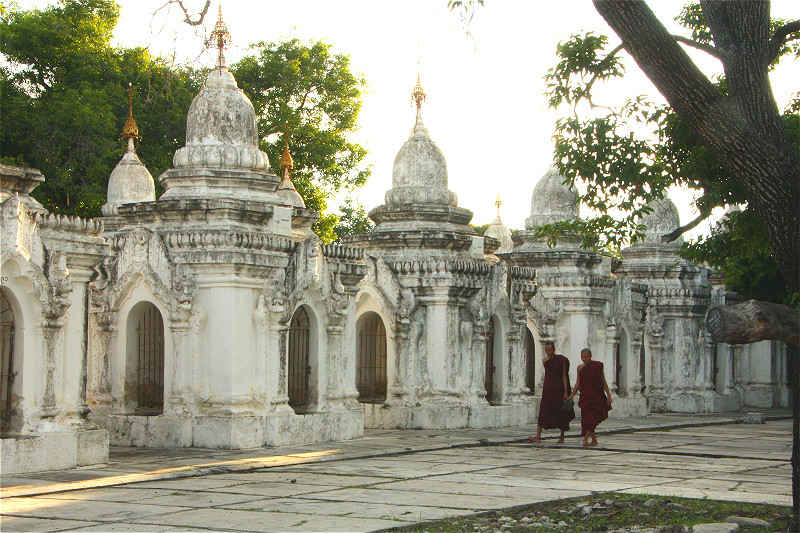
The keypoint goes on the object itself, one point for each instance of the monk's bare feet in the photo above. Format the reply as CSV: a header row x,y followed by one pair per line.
x,y
593,441
585,442
534,439
561,440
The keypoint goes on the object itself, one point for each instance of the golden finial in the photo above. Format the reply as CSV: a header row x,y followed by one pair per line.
x,y
498,203
286,158
220,38
418,96
130,130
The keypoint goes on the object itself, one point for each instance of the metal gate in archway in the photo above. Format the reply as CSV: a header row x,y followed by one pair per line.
x,y
6,361
530,361
150,360
488,381
299,366
371,359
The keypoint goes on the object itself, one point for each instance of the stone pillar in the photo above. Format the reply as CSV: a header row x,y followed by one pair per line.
x,y
437,341
612,342
342,391
634,384
73,362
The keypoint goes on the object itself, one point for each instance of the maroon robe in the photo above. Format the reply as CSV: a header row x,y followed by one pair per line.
x,y
551,412
593,402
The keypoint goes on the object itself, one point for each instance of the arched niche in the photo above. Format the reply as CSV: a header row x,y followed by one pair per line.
x,y
493,363
529,346
299,360
371,358
10,361
144,360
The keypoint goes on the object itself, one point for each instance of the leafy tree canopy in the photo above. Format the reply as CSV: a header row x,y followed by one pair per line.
x,y
311,90
624,156
65,101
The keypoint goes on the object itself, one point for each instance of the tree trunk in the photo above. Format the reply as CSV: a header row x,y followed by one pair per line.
x,y
743,128
754,321
794,354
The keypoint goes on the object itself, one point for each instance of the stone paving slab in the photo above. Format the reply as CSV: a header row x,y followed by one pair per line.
x,y
129,528
306,478
349,509
235,520
22,524
81,510
429,499
351,486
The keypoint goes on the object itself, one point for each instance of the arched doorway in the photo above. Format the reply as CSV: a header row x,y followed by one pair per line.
x,y
299,365
7,363
530,361
371,359
146,358
488,380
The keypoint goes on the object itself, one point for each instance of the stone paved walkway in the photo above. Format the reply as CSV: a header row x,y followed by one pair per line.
x,y
394,478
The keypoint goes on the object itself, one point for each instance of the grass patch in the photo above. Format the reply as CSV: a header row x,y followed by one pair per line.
x,y
609,512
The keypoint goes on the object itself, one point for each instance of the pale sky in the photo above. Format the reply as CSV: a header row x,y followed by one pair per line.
x,y
486,107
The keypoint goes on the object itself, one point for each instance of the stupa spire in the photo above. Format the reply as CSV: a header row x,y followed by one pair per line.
x,y
498,203
130,130
220,38
286,188
287,163
418,96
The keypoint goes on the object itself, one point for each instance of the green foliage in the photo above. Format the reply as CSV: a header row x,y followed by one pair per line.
x,y
313,91
480,230
65,102
738,248
353,220
624,156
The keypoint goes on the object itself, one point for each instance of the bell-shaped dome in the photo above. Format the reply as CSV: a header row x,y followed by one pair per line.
x,y
419,174
499,231
662,220
552,201
221,127
130,182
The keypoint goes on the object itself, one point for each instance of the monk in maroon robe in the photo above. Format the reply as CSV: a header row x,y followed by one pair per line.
x,y
555,390
595,399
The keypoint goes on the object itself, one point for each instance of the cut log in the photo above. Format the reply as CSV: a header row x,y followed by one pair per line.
x,y
754,321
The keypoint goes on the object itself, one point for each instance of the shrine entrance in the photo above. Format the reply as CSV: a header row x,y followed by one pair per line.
x,y
299,366
7,363
371,359
146,358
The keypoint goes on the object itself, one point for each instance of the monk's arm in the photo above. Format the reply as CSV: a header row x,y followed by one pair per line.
x,y
565,380
577,383
605,387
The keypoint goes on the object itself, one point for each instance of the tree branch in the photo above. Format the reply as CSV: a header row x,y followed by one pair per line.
x,y
671,236
707,48
754,321
187,16
779,38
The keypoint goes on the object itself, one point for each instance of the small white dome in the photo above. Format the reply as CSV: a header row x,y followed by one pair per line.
x,y
552,201
499,231
130,182
221,127
663,219
419,174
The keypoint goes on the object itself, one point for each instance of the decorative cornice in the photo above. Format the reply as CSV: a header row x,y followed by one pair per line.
x,y
338,251
442,266
246,240
89,226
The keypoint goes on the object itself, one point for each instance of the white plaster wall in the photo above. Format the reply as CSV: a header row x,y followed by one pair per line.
x,y
70,360
369,299
28,346
230,367
120,365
